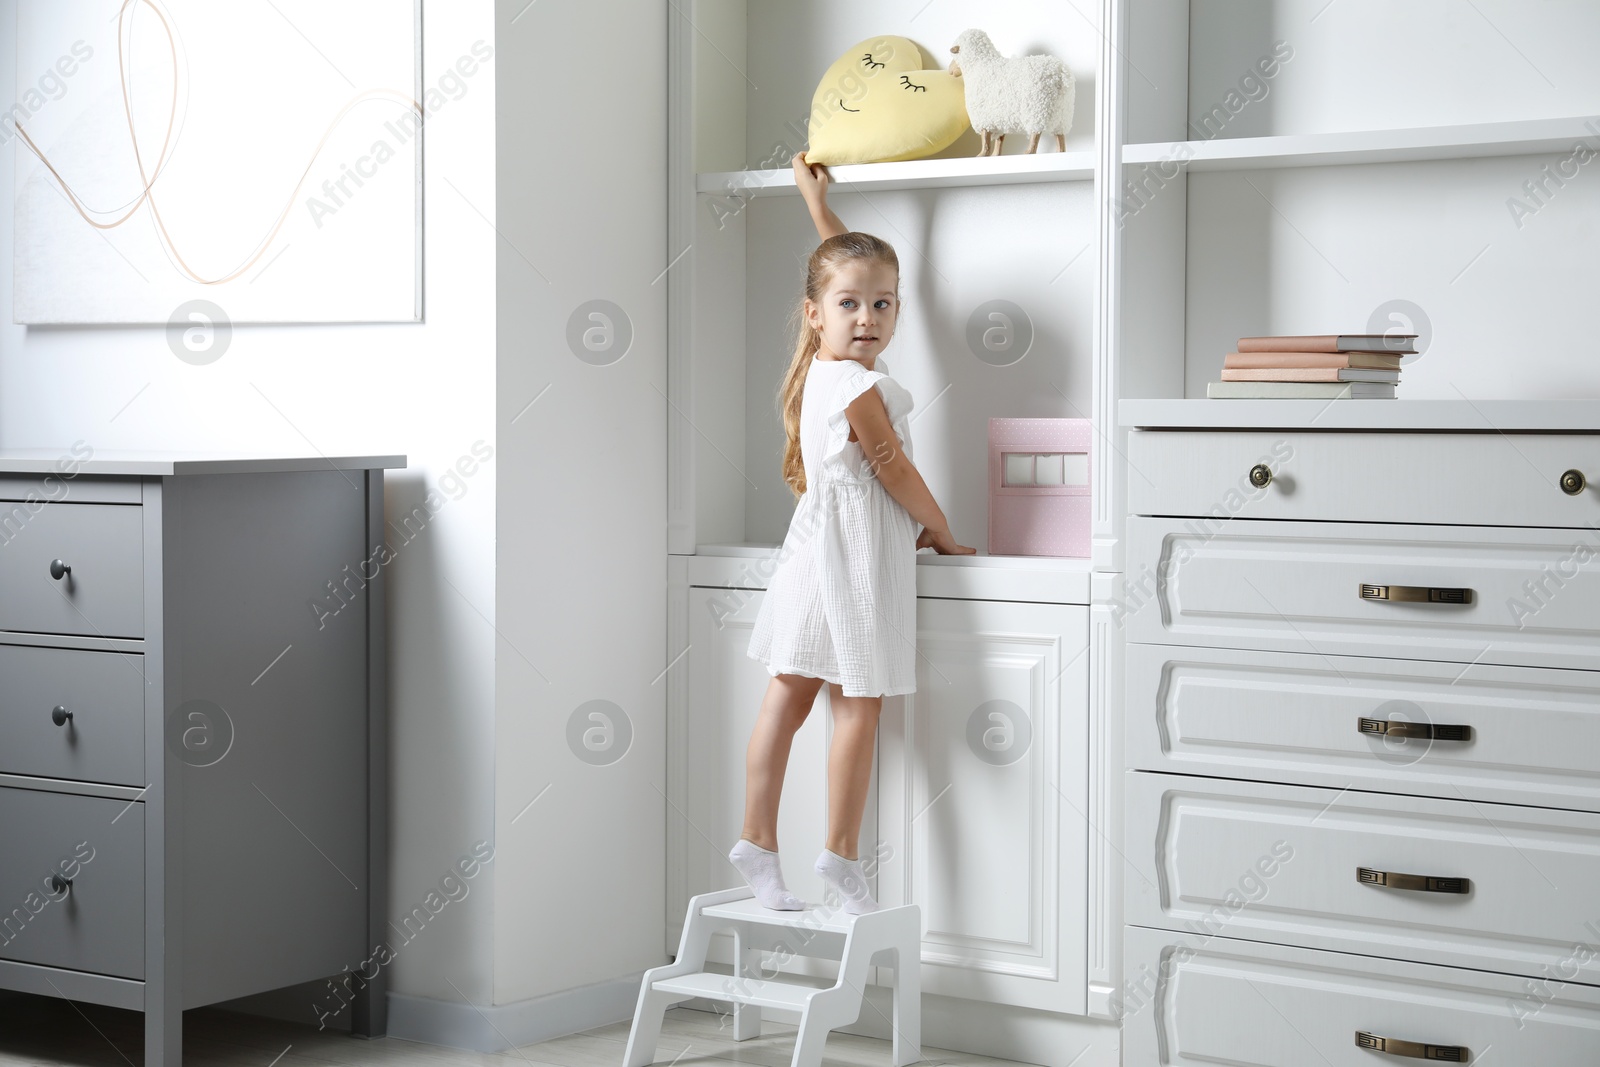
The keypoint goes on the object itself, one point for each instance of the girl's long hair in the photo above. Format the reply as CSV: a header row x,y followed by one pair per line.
x,y
829,256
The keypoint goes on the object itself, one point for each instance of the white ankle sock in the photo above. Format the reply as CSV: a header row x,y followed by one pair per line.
x,y
848,880
759,867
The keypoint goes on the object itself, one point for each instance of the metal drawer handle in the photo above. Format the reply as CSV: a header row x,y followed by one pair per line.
x,y
1414,1049
60,715
59,570
1423,731
1261,476
1420,883
1573,482
1416,594
60,884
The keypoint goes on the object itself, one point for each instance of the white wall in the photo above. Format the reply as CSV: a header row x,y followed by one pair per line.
x,y
580,874
423,390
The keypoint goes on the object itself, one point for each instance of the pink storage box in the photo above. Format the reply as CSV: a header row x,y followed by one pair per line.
x,y
1039,486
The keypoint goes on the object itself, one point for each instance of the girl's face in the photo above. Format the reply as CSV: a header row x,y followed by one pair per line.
x,y
857,315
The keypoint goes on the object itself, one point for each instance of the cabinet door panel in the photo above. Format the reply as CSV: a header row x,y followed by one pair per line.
x,y
1521,597
103,691
1507,884
97,922
1466,478
1220,1001
1516,735
102,595
983,796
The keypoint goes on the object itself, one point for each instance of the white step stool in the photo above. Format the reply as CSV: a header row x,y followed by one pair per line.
x,y
831,933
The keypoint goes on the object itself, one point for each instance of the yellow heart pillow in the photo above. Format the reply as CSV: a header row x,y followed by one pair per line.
x,y
878,103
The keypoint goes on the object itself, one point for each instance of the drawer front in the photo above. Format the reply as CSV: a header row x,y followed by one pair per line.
x,y
103,692
1515,735
1533,596
1196,1001
95,924
1468,478
1280,863
102,596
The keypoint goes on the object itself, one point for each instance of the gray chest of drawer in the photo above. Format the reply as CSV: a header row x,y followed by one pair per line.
x,y
192,729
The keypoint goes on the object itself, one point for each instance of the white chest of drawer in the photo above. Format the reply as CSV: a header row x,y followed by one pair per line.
x,y
1363,733
192,729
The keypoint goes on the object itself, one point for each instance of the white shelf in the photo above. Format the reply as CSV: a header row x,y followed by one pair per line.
x,y
1019,169
1522,137
1502,416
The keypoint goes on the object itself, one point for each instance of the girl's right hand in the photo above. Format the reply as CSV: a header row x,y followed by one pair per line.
x,y
812,180
943,542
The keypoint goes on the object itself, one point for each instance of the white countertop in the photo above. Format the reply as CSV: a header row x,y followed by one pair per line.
x,y
925,557
1503,416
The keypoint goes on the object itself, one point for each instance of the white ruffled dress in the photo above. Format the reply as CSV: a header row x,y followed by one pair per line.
x,y
842,604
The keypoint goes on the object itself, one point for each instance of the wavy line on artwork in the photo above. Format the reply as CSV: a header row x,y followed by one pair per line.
x,y
149,183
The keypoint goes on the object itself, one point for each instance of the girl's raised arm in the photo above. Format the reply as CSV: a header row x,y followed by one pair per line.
x,y
812,181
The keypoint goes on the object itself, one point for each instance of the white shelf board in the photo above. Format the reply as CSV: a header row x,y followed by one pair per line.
x,y
1494,416
1019,169
1522,137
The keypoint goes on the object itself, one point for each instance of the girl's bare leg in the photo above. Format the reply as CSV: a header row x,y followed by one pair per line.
x,y
855,733
784,708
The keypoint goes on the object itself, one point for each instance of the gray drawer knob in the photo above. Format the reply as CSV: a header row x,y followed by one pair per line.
x,y
1415,1050
1416,883
1573,482
59,570
60,884
1261,476
60,715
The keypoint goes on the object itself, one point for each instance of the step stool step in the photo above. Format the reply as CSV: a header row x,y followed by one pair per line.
x,y
763,994
814,917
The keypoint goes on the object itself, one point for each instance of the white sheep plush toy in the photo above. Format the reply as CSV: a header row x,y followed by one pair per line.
x,y
1027,94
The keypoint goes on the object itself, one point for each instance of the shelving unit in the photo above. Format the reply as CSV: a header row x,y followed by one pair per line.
x,y
1025,228
1367,184
1366,180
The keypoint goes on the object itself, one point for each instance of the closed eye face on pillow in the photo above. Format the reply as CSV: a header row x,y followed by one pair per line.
x,y
878,102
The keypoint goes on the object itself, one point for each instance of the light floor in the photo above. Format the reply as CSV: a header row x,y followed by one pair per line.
x,y
50,1032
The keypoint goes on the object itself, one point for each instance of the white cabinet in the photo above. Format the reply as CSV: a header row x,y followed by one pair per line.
x,y
983,797
978,810
1357,748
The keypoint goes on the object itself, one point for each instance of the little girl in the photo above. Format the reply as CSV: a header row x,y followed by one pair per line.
x,y
841,608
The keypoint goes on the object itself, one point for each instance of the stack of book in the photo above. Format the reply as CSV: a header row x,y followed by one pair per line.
x,y
1330,367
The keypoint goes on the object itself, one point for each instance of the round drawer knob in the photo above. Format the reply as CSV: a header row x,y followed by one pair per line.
x,y
60,715
1261,476
59,570
1573,482
60,884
